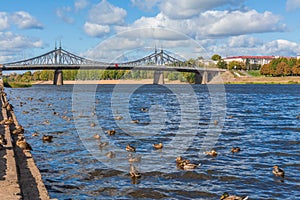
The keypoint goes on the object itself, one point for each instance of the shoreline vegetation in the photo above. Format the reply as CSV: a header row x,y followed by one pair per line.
x,y
228,77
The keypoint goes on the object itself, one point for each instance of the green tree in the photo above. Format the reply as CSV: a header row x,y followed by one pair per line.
x,y
222,64
235,65
216,57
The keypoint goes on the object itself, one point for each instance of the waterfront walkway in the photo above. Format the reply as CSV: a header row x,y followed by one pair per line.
x,y
19,176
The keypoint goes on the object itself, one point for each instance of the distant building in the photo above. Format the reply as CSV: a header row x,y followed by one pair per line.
x,y
257,60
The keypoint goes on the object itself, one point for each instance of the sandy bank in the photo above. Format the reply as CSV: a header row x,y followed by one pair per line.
x,y
225,78
142,81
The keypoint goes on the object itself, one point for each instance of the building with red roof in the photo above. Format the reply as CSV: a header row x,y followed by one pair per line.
x,y
257,60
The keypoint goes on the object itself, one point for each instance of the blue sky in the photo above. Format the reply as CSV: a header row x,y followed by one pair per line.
x,y
125,29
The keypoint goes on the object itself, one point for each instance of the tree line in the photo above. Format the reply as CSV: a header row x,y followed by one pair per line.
x,y
282,67
48,75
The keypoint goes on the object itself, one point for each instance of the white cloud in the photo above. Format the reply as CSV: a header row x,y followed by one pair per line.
x,y
63,13
81,4
96,30
113,48
25,21
3,21
253,46
184,9
292,4
236,23
22,19
281,47
11,45
105,13
207,25
244,42
145,5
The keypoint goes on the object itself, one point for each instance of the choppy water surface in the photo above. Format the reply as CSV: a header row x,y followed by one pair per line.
x,y
260,119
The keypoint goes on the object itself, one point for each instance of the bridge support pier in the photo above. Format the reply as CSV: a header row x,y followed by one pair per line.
x,y
205,77
198,78
158,77
58,77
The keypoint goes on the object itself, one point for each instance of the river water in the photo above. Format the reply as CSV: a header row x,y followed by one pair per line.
x,y
188,119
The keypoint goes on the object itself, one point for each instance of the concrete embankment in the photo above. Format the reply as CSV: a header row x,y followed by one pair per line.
x,y
19,176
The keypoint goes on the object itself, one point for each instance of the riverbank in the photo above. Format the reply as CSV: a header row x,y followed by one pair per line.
x,y
19,176
122,81
229,78
225,78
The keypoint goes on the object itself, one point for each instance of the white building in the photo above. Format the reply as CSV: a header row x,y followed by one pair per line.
x,y
258,60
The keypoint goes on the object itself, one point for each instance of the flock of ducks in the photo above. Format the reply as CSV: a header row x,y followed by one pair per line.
x,y
181,163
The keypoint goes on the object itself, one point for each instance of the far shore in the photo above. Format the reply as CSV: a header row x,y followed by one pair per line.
x,y
121,81
225,78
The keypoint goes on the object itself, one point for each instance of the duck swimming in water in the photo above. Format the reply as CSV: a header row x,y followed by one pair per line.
x,y
213,152
277,171
226,196
111,132
235,149
158,146
118,118
188,166
130,148
134,173
47,138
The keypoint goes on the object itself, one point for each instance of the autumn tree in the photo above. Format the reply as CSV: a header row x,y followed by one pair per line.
x,y
265,69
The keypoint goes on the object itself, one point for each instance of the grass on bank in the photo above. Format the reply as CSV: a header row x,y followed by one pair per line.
x,y
261,83
255,73
16,84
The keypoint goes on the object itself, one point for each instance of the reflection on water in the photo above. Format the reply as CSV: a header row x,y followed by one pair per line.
x,y
260,119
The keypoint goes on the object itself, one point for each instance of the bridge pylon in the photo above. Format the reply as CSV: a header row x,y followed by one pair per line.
x,y
58,77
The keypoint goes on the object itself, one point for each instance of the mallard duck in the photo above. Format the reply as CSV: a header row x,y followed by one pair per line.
x,y
158,146
3,141
18,130
216,122
130,148
135,121
111,132
187,166
9,107
226,196
47,138
235,149
277,171
135,159
47,122
213,152
118,118
8,121
35,134
134,173
111,154
144,109
181,161
21,142
97,136
93,124
103,144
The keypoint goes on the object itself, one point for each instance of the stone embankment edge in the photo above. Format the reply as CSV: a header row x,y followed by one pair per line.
x,y
10,187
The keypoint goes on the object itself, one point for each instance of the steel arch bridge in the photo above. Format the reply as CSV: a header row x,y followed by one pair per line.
x,y
60,59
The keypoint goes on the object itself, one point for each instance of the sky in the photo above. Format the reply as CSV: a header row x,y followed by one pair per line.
x,y
109,30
